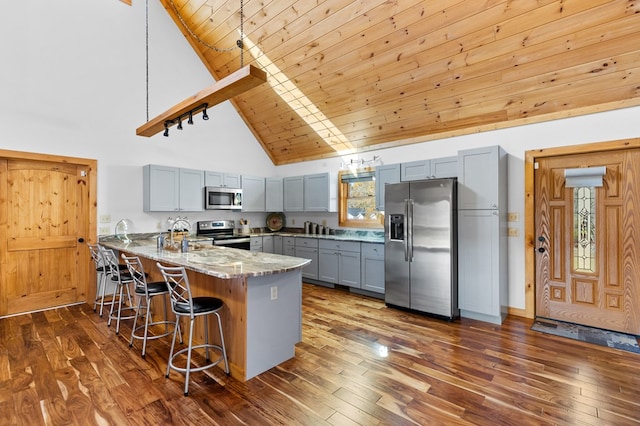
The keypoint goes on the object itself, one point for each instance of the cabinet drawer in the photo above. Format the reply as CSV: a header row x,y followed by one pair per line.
x,y
307,242
289,241
372,249
340,245
256,241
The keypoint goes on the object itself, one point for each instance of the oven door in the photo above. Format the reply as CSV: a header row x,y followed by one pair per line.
x,y
239,243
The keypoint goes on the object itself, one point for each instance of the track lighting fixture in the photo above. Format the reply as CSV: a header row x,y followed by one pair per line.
x,y
188,115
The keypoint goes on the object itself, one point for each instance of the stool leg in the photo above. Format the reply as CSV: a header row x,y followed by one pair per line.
x,y
147,319
135,323
103,289
224,350
119,308
113,302
173,344
189,349
206,339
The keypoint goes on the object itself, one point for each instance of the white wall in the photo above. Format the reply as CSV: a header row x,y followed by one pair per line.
x,y
72,82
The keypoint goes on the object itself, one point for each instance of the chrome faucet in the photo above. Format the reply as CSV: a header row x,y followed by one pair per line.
x,y
179,223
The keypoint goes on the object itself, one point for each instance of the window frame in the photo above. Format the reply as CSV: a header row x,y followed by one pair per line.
x,y
343,194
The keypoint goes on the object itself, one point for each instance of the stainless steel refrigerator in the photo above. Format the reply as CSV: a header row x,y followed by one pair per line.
x,y
420,252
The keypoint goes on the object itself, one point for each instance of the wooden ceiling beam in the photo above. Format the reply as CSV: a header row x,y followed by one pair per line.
x,y
238,82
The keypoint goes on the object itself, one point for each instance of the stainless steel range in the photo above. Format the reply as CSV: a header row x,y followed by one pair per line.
x,y
222,232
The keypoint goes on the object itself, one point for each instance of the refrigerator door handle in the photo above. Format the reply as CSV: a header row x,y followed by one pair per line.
x,y
409,229
405,231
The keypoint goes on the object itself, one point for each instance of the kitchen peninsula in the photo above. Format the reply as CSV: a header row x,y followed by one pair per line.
x,y
262,292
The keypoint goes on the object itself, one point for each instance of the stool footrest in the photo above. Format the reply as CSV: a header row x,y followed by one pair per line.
x,y
200,368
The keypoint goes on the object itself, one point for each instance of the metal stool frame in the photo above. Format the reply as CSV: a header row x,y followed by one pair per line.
x,y
146,292
183,304
121,279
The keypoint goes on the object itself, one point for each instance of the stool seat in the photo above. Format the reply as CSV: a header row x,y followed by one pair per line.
x,y
153,288
201,305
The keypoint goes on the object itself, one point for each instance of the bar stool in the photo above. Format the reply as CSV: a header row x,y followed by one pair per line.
x,y
101,276
121,280
183,304
146,292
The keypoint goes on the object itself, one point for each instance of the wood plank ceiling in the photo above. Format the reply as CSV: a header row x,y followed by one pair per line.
x,y
349,76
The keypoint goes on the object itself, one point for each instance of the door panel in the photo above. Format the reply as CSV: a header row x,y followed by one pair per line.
x,y
587,268
45,211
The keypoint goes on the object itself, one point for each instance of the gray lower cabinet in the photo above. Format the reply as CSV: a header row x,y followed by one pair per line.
x,y
307,248
289,246
277,244
372,263
267,244
339,262
256,244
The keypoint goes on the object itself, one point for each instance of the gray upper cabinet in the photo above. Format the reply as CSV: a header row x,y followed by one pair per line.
x,y
389,173
253,194
320,193
415,170
170,189
274,198
482,178
229,180
293,188
445,167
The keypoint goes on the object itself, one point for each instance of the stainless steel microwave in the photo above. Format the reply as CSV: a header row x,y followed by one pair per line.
x,y
221,198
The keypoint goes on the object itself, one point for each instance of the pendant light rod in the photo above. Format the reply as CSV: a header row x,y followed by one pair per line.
x,y
226,88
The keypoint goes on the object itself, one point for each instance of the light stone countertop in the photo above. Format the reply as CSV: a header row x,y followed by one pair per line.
x,y
340,237
221,262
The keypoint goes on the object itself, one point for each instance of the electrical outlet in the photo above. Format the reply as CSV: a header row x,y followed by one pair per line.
x,y
513,232
274,292
104,230
105,218
513,217
324,222
159,225
293,221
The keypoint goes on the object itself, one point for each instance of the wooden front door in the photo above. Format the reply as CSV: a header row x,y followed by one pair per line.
x,y
588,242
43,259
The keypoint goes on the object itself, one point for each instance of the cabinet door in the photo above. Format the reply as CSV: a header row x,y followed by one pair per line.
x,y
277,244
293,193
274,198
372,274
256,244
267,244
445,167
385,174
288,246
415,170
479,178
328,266
191,190
311,270
232,180
478,261
349,268
161,188
253,194
316,192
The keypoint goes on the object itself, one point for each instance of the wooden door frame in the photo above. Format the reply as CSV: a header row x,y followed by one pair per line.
x,y
86,271
529,207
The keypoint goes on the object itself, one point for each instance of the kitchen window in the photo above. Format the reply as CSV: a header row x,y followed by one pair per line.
x,y
357,199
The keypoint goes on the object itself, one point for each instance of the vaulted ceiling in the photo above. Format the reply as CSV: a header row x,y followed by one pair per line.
x,y
347,76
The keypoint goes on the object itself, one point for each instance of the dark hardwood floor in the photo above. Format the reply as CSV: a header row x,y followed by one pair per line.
x,y
360,363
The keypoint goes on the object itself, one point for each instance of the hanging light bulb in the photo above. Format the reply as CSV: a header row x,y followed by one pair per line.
x,y
204,114
166,130
179,123
190,120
